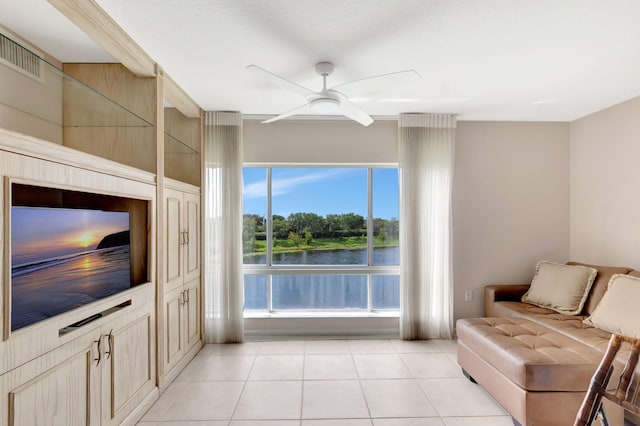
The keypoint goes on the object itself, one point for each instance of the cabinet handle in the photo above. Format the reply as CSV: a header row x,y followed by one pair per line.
x,y
109,337
186,296
186,234
97,360
182,298
184,238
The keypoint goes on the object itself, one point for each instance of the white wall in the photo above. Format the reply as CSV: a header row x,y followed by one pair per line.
x,y
605,186
511,204
511,188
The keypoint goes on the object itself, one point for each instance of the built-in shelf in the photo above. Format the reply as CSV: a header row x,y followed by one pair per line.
x,y
181,147
78,105
174,146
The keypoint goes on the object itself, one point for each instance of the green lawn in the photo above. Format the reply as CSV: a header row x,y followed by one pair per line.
x,y
322,244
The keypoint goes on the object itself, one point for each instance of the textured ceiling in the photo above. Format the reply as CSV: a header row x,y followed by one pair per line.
x,y
483,60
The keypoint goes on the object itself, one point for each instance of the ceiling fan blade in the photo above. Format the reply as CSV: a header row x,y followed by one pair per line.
x,y
280,81
350,110
294,111
369,84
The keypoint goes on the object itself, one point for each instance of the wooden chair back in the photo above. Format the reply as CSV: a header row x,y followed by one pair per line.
x,y
622,395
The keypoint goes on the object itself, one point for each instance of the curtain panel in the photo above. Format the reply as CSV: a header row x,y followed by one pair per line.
x,y
223,280
426,158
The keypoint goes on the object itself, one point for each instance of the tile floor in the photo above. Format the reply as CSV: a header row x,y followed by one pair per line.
x,y
325,382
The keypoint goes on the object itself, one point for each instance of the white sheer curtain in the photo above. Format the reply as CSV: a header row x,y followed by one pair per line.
x,y
426,157
223,282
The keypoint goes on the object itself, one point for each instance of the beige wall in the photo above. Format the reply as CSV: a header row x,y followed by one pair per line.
x,y
605,186
511,204
320,141
511,188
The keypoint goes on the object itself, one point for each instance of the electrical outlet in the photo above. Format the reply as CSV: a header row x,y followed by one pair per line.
x,y
468,295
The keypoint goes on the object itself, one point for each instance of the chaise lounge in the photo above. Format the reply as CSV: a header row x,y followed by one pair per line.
x,y
536,357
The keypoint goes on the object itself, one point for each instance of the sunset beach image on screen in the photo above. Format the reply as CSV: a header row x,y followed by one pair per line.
x,y
65,258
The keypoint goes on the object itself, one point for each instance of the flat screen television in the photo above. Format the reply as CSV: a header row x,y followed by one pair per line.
x,y
64,258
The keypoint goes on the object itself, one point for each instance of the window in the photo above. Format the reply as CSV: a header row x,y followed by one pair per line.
x,y
320,239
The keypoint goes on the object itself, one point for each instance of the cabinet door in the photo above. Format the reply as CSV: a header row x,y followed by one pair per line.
x,y
173,349
61,388
128,372
192,313
192,228
174,240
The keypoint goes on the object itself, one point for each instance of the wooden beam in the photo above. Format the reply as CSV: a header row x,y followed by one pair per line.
x,y
179,98
98,25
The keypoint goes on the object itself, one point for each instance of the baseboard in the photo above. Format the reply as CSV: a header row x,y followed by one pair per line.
x,y
135,416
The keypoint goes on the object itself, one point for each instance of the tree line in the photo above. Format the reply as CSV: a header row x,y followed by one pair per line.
x,y
311,225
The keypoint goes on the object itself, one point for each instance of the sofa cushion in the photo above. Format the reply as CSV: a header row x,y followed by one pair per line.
x,y
599,286
562,288
529,354
618,311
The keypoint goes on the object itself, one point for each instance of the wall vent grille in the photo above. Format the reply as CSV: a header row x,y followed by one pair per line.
x,y
20,59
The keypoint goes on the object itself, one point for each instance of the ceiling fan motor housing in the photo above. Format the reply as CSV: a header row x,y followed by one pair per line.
x,y
324,68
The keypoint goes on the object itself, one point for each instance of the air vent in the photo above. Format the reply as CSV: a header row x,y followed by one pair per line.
x,y
20,59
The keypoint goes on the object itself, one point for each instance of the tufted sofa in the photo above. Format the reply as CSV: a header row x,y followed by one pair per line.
x,y
533,361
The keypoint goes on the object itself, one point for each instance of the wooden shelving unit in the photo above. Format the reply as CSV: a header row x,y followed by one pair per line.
x,y
107,130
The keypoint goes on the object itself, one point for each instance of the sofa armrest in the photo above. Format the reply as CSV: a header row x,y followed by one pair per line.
x,y
503,293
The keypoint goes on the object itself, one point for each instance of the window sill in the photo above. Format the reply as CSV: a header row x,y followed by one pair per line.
x,y
320,314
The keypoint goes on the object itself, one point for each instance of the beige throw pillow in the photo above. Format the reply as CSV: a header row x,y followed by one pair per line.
x,y
618,311
562,288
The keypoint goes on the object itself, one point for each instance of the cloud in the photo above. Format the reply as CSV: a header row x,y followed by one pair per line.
x,y
256,189
284,185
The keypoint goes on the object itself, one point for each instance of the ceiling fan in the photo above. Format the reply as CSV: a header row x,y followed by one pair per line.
x,y
334,99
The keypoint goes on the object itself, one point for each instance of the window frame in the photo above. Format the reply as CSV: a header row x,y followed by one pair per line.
x,y
369,270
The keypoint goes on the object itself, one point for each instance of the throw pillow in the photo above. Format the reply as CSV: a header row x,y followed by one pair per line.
x,y
618,311
562,288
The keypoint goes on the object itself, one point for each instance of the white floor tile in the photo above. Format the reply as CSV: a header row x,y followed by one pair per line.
x,y
247,348
270,400
453,356
201,401
381,366
328,367
218,368
265,423
383,382
168,397
186,423
326,347
337,422
277,367
447,345
428,421
333,399
282,347
396,398
459,398
431,365
413,346
478,421
371,347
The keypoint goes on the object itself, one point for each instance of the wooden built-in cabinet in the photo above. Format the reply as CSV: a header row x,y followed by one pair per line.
x,y
99,378
182,289
96,364
113,134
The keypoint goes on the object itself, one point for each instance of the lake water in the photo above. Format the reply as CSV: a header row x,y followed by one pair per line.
x,y
381,256
44,289
322,291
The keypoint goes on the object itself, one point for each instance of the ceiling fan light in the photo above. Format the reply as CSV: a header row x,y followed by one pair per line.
x,y
324,105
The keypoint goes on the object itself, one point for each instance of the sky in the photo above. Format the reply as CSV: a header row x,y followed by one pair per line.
x,y
44,233
322,191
